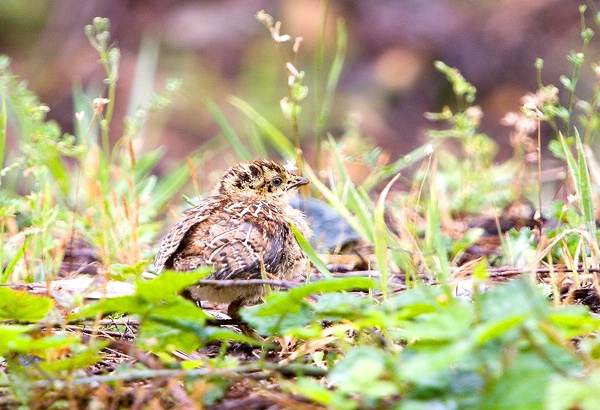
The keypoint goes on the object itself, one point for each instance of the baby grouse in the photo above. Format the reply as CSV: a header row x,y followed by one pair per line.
x,y
243,224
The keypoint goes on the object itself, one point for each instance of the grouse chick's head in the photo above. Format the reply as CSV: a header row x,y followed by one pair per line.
x,y
264,178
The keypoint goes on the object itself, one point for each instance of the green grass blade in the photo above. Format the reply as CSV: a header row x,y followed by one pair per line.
x,y
388,171
585,187
277,139
357,201
3,128
571,163
335,202
434,236
380,240
334,76
230,135
310,252
6,272
257,142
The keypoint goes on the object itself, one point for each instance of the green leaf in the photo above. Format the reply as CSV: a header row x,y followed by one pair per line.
x,y
574,393
414,302
160,295
290,301
419,364
497,328
574,320
316,392
23,307
169,284
43,345
363,371
521,386
449,322
342,305
165,330
515,298
274,323
10,333
283,311
122,304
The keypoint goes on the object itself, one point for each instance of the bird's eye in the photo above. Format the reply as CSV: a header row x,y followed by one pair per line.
x,y
277,181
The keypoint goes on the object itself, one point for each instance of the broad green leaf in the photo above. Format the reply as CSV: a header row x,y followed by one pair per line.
x,y
514,298
574,393
317,392
332,285
274,322
290,301
343,305
121,304
574,320
363,371
498,328
23,307
169,284
420,364
11,333
521,386
168,332
414,302
450,322
43,345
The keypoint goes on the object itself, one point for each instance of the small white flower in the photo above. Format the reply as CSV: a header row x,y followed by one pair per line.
x,y
264,18
429,150
278,38
79,115
290,166
297,43
292,70
99,104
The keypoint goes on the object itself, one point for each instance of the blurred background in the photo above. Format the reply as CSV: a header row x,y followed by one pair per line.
x,y
218,48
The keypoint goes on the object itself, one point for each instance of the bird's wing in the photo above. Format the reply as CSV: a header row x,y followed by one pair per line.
x,y
238,248
174,237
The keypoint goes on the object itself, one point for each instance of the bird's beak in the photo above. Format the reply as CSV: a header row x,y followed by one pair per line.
x,y
300,181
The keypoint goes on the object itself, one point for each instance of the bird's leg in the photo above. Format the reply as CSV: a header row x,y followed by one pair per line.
x,y
233,310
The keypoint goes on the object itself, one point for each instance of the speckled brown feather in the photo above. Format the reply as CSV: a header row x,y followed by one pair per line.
x,y
243,225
